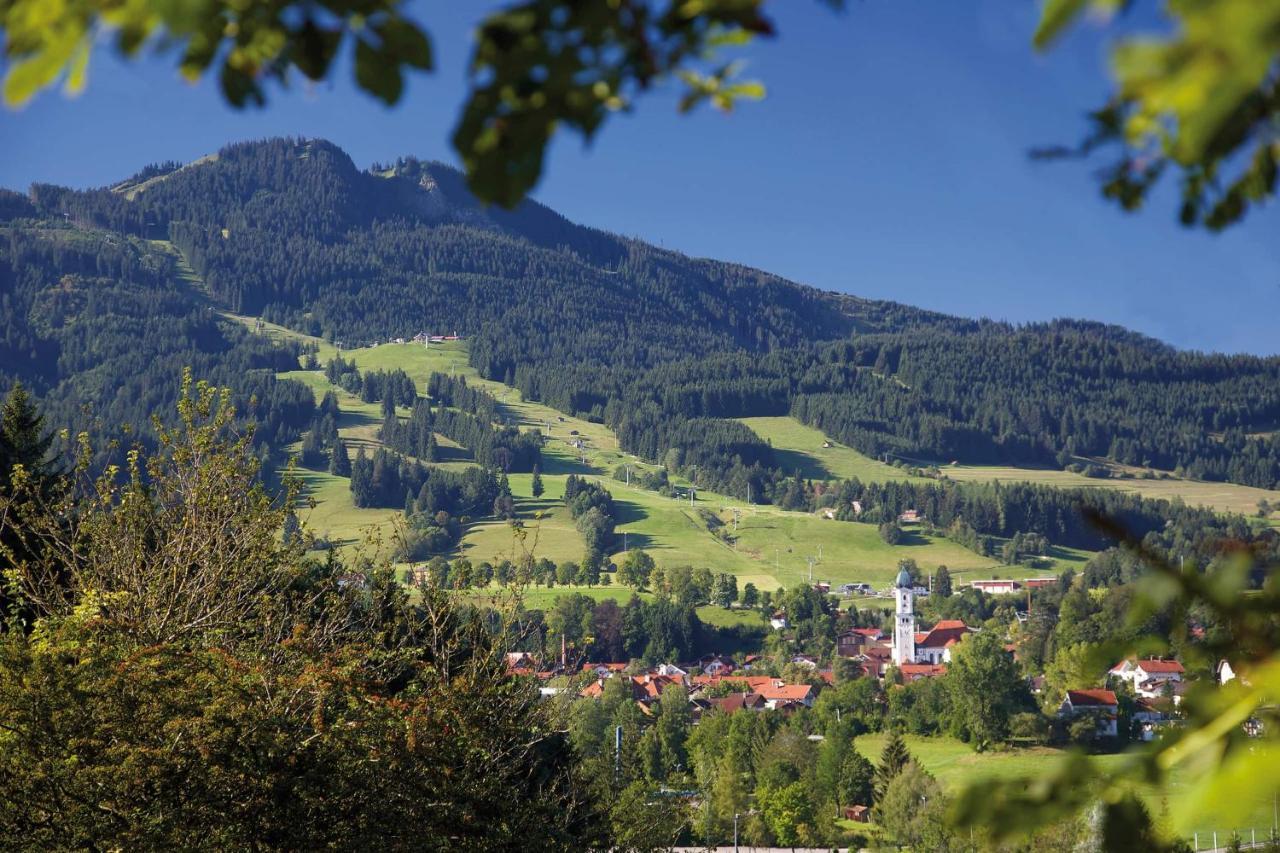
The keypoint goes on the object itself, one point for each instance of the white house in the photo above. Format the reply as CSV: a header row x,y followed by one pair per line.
x,y
1151,677
1099,704
1225,672
996,586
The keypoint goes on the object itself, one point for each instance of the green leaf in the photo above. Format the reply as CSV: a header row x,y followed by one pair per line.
x,y
406,43
1057,15
376,75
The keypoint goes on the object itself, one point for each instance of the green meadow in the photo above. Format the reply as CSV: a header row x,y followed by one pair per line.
x,y
801,448
955,764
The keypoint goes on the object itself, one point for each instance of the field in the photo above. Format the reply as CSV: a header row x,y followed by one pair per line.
x,y
955,764
800,447
1224,497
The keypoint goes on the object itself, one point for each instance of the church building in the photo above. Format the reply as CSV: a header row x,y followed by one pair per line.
x,y
929,647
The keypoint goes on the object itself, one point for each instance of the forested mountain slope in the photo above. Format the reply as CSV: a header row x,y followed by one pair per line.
x,y
661,347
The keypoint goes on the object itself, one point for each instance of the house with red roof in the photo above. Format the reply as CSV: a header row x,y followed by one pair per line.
x,y
850,643
739,702
1151,677
996,586
604,670
1102,705
860,814
916,671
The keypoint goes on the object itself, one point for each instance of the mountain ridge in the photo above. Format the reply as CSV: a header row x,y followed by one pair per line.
x,y
662,347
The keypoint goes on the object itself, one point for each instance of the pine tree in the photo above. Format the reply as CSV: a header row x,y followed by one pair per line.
x,y
942,582
339,461
23,440
362,488
893,758
536,485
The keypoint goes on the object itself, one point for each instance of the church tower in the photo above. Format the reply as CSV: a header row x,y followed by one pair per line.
x,y
904,623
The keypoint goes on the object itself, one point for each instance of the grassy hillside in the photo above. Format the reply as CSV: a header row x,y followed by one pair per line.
x,y
799,447
769,547
955,764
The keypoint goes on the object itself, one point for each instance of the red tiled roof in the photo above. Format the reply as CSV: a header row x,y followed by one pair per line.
x,y
1091,698
1150,665
1154,665
753,683
873,633
787,692
611,667
738,701
945,632
922,670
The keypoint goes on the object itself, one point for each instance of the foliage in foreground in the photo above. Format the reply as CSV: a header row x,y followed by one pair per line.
x,y
184,678
1229,743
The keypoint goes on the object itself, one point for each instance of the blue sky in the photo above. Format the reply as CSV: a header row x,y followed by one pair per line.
x,y
889,161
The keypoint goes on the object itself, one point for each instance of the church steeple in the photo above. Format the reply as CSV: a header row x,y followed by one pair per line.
x,y
904,623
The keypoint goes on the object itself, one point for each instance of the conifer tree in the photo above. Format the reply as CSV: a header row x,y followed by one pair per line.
x,y
942,582
893,758
23,440
339,461
536,485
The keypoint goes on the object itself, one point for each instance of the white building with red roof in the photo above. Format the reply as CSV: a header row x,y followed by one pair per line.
x,y
1151,678
1102,705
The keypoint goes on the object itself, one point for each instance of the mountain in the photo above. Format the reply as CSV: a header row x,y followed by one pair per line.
x,y
662,347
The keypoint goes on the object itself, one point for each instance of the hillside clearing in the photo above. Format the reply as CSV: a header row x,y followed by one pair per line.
x,y
800,447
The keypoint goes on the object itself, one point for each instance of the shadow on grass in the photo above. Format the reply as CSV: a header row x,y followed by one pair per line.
x,y
553,464
809,467
628,512
348,419
633,541
911,538
453,454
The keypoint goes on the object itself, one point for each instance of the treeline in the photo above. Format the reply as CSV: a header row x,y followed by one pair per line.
x,y
591,507
969,511
387,479
96,326
470,423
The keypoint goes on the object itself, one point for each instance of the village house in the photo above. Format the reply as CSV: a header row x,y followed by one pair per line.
x,y
715,665
775,692
858,814
778,620
915,671
1224,671
604,670
875,659
1102,705
739,702
996,586
850,643
1150,678
1039,583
